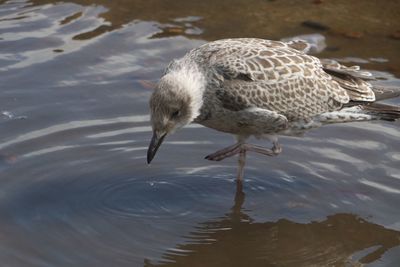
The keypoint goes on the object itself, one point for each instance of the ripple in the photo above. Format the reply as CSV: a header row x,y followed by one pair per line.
x,y
46,150
145,199
336,154
75,188
121,132
380,186
33,36
71,126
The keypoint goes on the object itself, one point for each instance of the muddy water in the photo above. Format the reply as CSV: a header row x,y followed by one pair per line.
x,y
75,78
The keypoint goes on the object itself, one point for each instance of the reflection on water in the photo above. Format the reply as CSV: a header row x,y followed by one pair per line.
x,y
74,186
371,24
236,240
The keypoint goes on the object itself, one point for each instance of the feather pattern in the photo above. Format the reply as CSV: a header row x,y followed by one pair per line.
x,y
277,79
254,87
273,75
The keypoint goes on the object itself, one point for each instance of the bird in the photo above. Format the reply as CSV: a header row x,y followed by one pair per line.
x,y
263,88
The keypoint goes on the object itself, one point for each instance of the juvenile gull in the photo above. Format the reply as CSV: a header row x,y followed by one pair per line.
x,y
255,87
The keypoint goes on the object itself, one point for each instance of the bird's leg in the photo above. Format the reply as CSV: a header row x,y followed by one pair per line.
x,y
239,147
276,148
225,152
274,151
242,162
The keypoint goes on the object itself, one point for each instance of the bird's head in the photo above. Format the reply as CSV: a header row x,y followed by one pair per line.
x,y
173,105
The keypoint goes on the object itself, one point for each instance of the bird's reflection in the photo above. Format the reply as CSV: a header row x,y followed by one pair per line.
x,y
236,240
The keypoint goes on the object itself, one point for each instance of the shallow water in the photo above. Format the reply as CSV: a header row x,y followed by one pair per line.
x,y
74,186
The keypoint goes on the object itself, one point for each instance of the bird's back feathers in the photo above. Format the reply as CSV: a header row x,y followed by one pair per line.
x,y
280,77
272,75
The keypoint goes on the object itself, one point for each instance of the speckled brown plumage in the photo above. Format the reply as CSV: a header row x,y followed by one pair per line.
x,y
275,76
264,88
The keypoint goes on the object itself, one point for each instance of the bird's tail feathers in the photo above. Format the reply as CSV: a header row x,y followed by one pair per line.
x,y
382,111
383,92
363,112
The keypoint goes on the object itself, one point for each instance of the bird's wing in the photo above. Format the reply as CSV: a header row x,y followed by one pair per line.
x,y
288,98
273,75
261,60
258,121
354,80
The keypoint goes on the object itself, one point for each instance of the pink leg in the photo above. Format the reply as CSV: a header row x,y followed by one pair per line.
x,y
241,163
239,147
225,152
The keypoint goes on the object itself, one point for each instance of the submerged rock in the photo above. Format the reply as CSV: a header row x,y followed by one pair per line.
x,y
315,25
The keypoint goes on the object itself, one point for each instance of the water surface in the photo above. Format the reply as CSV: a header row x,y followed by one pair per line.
x,y
74,186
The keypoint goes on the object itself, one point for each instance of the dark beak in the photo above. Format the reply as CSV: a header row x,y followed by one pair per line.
x,y
154,145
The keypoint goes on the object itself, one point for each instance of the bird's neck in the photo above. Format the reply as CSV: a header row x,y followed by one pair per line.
x,y
192,82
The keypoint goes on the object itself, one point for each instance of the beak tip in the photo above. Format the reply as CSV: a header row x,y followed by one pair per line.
x,y
150,156
153,147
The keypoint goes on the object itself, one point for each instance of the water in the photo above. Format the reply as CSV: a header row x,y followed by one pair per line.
x,y
74,186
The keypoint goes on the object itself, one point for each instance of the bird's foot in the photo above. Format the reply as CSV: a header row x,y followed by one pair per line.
x,y
225,152
243,147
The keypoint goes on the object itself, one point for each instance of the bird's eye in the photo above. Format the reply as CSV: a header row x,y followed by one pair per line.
x,y
175,114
